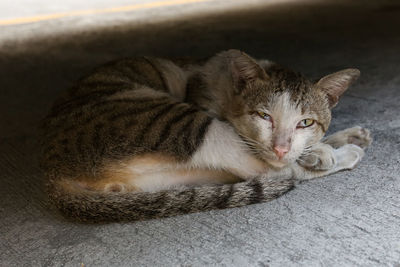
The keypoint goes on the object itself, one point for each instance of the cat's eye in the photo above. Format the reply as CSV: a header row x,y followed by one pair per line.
x,y
264,115
305,123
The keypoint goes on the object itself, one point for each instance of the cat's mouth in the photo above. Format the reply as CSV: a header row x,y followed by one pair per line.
x,y
268,157
275,162
278,163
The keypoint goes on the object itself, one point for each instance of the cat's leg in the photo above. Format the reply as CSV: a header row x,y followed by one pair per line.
x,y
356,135
174,178
325,160
318,157
152,172
321,155
330,161
321,160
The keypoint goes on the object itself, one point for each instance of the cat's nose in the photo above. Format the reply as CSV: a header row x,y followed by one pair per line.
x,y
281,151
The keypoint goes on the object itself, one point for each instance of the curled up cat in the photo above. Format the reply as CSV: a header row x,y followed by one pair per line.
x,y
147,137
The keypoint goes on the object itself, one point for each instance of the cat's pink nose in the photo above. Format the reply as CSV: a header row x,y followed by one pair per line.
x,y
280,151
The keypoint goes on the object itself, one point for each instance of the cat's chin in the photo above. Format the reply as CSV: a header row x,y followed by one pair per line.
x,y
278,163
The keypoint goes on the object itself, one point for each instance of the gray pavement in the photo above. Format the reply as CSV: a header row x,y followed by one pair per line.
x,y
347,219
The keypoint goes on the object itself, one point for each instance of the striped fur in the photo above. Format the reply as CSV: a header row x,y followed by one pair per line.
x,y
89,206
147,138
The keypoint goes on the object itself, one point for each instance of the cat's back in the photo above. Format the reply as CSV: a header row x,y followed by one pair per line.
x,y
111,78
127,107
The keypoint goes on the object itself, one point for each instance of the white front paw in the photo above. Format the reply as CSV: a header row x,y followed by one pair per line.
x,y
359,136
321,157
348,156
356,135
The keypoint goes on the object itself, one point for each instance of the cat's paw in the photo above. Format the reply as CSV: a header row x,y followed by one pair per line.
x,y
359,136
348,156
356,135
320,157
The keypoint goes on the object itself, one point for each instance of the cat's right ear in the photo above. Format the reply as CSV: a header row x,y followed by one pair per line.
x,y
244,69
335,84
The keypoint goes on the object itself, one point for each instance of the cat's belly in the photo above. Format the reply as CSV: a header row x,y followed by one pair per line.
x,y
153,173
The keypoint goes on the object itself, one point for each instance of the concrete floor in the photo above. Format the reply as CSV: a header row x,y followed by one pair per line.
x,y
349,219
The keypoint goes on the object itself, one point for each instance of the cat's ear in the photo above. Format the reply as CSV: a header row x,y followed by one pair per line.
x,y
244,69
335,84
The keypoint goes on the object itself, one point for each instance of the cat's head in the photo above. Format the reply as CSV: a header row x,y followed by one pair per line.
x,y
278,112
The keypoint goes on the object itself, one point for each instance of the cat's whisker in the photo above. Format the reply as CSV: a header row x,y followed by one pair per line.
x,y
255,143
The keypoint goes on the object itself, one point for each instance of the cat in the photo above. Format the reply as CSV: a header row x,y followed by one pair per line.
x,y
147,138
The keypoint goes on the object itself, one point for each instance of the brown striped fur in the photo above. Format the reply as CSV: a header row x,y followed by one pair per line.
x,y
147,138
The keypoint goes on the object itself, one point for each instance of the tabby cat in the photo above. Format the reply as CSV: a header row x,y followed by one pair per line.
x,y
147,137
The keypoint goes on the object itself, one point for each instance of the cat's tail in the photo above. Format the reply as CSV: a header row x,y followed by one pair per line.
x,y
92,206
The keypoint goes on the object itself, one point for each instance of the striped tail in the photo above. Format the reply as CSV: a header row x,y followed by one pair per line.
x,y
91,206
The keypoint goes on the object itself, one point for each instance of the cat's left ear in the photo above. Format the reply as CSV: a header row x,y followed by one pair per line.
x,y
244,69
335,84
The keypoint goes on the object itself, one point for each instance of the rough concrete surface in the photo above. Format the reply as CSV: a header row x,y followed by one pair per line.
x,y
351,218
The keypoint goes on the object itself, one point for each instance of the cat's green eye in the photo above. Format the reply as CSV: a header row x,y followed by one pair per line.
x,y
305,123
264,115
